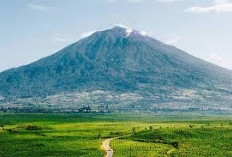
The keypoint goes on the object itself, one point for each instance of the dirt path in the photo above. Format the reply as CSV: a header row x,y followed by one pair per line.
x,y
106,146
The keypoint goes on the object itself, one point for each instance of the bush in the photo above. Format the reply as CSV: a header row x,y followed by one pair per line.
x,y
11,131
175,144
32,127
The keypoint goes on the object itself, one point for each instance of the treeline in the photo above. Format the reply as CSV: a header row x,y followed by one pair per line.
x,y
85,109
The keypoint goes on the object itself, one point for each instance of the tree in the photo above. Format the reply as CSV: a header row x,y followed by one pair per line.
x,y
133,130
2,126
175,144
99,136
150,127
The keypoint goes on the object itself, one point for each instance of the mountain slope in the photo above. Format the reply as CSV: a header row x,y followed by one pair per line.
x,y
116,60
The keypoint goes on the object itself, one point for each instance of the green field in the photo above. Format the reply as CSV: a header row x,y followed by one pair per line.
x,y
82,135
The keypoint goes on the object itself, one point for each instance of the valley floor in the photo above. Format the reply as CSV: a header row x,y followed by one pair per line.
x,y
140,135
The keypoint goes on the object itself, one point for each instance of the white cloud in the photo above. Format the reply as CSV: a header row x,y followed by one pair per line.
x,y
129,31
121,25
143,33
218,6
61,39
38,7
173,40
86,34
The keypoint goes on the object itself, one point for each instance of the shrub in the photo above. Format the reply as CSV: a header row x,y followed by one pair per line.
x,y
32,127
175,144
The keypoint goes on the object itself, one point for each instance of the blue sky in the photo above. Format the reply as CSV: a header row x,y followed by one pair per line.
x,y
32,29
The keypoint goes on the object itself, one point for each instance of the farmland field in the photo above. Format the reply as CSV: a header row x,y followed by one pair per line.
x,y
82,135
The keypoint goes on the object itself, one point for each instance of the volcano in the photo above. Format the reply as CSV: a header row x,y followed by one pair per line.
x,y
122,69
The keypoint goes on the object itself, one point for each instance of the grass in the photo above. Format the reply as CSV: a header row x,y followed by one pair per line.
x,y
82,135
124,148
200,140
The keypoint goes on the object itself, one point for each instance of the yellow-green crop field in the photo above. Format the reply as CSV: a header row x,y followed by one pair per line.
x,y
140,135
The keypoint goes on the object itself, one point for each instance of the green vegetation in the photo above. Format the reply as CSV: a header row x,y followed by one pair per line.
x,y
183,141
124,148
82,135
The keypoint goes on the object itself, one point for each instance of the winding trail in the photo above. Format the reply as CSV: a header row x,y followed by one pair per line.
x,y
106,145
109,151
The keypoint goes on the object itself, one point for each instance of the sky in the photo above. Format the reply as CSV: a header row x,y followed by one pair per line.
x,y
32,29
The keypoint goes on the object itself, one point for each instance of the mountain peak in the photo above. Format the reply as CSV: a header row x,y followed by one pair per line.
x,y
128,31
118,26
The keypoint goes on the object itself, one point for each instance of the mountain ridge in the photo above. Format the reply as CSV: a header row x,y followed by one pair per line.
x,y
117,60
